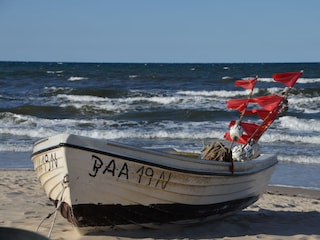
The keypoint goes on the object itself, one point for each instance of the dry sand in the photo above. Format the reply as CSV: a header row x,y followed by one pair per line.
x,y
281,213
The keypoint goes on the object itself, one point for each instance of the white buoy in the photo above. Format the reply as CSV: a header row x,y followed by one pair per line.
x,y
245,152
236,131
237,153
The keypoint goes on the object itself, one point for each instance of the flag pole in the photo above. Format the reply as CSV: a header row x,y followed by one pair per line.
x,y
273,106
237,126
288,79
238,132
250,95
282,106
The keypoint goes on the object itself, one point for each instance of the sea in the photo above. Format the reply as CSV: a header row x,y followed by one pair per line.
x,y
159,106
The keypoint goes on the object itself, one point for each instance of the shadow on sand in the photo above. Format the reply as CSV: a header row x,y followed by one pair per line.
x,y
8,233
246,223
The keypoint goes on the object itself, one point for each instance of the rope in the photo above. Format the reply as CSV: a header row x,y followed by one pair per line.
x,y
216,151
64,184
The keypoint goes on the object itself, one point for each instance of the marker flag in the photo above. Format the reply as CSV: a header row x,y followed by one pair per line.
x,y
288,79
247,83
269,102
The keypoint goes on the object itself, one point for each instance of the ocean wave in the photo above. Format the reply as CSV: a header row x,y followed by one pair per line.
x,y
269,137
305,104
174,100
56,89
299,159
180,106
133,76
54,72
138,103
215,93
297,124
72,78
300,80
53,90
16,147
232,94
308,80
80,98
16,126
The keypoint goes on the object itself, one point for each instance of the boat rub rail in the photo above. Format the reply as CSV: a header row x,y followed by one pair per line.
x,y
227,173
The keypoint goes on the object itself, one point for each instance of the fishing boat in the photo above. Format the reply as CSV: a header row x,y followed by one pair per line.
x,y
100,185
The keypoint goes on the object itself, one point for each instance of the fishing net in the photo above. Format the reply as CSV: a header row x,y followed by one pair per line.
x,y
216,151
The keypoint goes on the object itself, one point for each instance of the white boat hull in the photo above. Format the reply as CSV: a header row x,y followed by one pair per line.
x,y
104,185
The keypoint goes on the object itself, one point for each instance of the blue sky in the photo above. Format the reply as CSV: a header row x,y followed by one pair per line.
x,y
197,31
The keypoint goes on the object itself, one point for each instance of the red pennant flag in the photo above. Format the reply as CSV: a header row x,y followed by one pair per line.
x,y
247,83
271,117
243,139
268,102
238,104
288,79
262,114
232,123
266,123
248,127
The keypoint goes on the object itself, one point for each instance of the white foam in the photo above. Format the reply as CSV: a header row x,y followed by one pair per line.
x,y
29,127
305,104
160,100
54,72
92,102
297,124
269,137
302,130
274,90
308,80
133,76
265,80
132,103
300,80
54,89
15,147
184,99
299,159
72,78
215,93
80,98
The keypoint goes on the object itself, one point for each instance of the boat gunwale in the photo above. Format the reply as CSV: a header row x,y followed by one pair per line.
x,y
188,171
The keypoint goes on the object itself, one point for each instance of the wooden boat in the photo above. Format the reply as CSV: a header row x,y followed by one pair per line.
x,y
100,184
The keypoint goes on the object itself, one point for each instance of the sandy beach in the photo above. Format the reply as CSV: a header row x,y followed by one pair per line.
x,y
281,213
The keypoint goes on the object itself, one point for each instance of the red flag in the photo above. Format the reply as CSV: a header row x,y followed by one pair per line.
x,y
262,114
288,79
248,127
247,83
268,102
266,123
239,104
243,139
